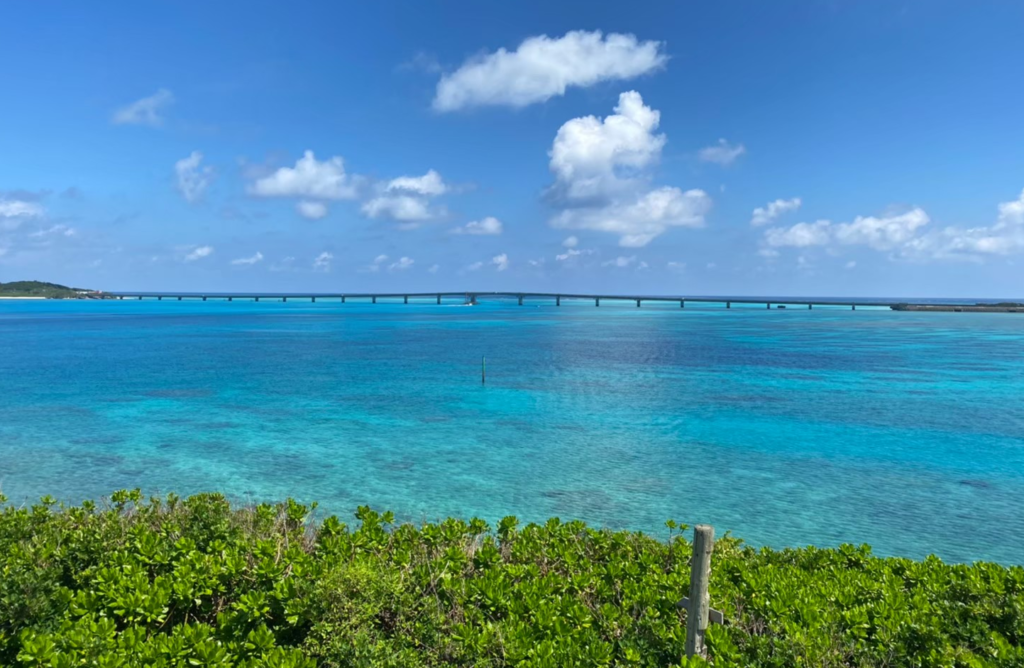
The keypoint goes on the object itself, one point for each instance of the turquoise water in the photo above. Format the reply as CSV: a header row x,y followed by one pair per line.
x,y
903,430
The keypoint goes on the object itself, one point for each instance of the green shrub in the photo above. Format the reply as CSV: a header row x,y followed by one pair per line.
x,y
171,582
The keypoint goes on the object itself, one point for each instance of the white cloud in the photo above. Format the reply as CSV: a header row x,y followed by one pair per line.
x,y
723,153
310,179
402,264
475,266
311,210
571,242
1004,237
377,263
851,264
405,208
640,221
800,235
765,214
572,253
433,268
621,262
193,180
599,177
406,199
59,230
145,111
322,262
536,263
13,208
500,261
252,259
879,232
676,266
543,67
593,158
199,253
488,225
286,264
428,184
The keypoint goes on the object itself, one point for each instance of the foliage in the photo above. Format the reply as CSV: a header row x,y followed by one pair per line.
x,y
37,289
171,582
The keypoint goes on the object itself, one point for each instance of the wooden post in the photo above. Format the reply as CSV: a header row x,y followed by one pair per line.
x,y
700,603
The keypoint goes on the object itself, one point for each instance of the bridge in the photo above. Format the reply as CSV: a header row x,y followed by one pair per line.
x,y
520,298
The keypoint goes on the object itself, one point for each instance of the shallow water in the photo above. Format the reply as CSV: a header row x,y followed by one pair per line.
x,y
902,430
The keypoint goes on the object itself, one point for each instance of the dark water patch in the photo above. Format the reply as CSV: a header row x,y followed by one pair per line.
x,y
97,440
179,393
435,418
976,484
218,425
122,400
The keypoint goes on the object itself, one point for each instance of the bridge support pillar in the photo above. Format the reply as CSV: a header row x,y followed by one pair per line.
x,y
312,300
257,299
406,299
204,298
373,299
810,306
439,299
597,302
638,303
768,305
558,300
520,300
140,298
853,307
230,299
728,304
179,299
343,299
682,303
284,299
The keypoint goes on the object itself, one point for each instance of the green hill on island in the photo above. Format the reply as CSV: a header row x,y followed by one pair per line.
x,y
40,289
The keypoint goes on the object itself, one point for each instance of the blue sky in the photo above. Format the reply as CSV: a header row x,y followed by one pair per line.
x,y
791,148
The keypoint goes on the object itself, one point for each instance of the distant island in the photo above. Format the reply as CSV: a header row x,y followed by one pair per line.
x,y
43,290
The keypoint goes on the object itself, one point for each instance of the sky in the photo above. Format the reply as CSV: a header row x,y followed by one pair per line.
x,y
799,148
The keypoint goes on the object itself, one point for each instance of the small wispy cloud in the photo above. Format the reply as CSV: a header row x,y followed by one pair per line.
x,y
146,111
199,253
252,259
323,261
723,153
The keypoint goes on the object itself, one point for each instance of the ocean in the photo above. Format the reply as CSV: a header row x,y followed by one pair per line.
x,y
784,427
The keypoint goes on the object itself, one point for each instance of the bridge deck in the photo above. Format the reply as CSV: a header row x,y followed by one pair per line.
x,y
520,297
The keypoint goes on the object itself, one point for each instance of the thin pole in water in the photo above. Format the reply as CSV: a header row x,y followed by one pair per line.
x,y
483,370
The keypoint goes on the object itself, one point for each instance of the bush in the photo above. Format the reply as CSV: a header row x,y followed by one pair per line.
x,y
171,582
